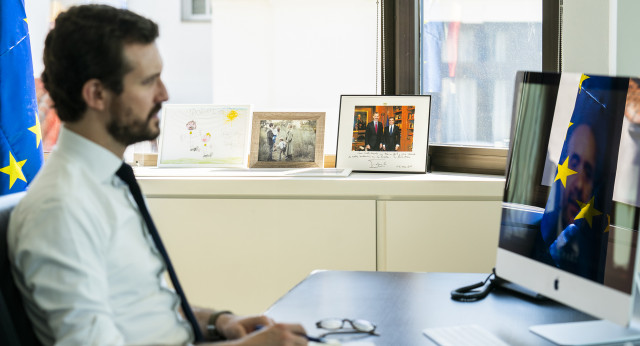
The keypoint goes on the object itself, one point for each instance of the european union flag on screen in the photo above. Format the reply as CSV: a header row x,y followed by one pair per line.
x,y
576,216
20,137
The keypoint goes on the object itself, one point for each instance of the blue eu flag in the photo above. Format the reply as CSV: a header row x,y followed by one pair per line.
x,y
577,214
20,137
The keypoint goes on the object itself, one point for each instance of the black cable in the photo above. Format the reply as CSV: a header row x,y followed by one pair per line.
x,y
470,294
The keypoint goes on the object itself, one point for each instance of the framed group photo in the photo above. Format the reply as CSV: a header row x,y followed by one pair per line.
x,y
287,140
383,133
204,136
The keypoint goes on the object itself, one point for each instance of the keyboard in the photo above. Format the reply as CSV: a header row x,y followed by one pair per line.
x,y
463,335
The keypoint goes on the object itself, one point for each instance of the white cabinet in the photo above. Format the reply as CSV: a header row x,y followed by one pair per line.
x,y
244,254
438,236
240,243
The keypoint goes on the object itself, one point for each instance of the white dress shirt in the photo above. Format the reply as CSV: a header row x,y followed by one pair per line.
x,y
83,259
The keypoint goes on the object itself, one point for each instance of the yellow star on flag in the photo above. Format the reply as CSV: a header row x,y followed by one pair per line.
x,y
588,211
582,79
14,170
563,172
36,129
608,224
570,124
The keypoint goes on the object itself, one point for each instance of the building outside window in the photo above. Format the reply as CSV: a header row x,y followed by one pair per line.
x,y
470,52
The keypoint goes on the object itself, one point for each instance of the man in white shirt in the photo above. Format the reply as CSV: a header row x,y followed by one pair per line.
x,y
80,249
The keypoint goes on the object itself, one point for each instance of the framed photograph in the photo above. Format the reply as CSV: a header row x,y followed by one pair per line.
x,y
287,139
204,136
383,133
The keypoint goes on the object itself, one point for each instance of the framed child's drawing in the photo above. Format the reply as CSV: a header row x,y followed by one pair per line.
x,y
204,136
383,133
287,139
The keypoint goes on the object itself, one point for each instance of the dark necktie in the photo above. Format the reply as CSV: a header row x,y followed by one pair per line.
x,y
376,127
125,172
391,130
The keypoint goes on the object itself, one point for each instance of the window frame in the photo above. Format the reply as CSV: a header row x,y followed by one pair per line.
x,y
401,74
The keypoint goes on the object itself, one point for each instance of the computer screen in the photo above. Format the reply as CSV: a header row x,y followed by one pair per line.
x,y
570,209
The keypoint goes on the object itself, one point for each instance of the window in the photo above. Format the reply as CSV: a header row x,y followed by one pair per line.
x,y
466,54
196,10
470,52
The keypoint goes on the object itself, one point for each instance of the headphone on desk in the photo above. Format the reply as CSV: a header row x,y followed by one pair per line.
x,y
470,294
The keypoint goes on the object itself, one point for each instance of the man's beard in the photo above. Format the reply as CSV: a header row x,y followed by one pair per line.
x,y
135,132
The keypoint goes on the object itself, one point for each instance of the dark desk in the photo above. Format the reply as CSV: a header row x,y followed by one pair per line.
x,y
403,304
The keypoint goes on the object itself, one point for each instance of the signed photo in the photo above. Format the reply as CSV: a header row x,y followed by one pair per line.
x,y
383,133
287,139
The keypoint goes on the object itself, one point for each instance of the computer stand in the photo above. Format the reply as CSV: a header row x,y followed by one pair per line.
x,y
596,332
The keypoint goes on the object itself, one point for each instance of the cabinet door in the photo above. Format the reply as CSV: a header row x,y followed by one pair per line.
x,y
243,255
438,236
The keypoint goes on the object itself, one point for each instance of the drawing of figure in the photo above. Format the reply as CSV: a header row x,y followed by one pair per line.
x,y
191,125
207,150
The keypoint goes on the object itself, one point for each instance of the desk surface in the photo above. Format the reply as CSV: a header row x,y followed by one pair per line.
x,y
403,304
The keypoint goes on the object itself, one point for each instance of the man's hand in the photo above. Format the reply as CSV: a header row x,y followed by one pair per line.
x,y
276,334
563,246
368,147
236,327
279,334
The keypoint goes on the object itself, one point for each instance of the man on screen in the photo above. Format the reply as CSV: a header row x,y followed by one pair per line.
x,y
582,159
581,164
576,218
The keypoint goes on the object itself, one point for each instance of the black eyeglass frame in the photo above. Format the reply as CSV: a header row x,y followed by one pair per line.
x,y
341,330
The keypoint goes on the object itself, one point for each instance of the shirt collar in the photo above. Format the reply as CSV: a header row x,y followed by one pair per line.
x,y
99,161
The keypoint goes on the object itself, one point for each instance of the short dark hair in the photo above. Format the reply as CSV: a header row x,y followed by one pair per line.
x,y
88,42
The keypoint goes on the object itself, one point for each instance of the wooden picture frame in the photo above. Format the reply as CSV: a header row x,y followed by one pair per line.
x,y
301,132
204,136
403,149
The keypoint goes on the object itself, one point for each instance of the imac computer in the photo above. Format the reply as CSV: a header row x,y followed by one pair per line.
x,y
570,211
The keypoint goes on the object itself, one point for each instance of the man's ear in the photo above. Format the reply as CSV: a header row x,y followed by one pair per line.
x,y
95,95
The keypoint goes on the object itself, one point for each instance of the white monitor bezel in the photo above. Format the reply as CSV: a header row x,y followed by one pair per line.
x,y
572,290
560,285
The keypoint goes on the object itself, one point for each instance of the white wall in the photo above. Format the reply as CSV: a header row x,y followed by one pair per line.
x,y
628,30
38,21
300,55
601,36
585,36
185,46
